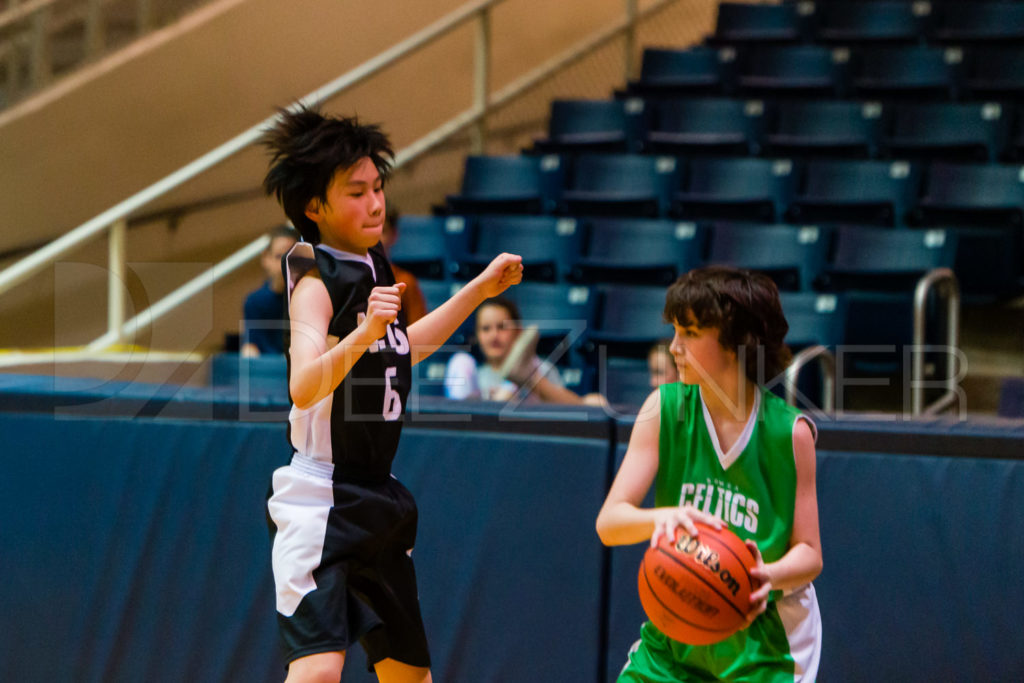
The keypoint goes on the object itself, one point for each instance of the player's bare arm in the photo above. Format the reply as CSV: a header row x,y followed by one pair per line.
x,y
318,365
803,561
432,330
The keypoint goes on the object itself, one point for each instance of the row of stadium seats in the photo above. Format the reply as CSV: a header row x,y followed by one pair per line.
x,y
599,336
655,251
940,21
915,72
932,131
743,188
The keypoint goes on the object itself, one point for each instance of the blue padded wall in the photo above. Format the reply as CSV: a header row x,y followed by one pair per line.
x,y
136,548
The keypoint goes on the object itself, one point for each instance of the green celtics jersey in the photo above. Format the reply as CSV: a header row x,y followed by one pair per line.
x,y
752,489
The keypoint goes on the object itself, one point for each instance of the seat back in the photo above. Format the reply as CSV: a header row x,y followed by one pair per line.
x,y
630,321
870,22
705,125
982,194
947,131
593,126
967,22
879,259
793,256
737,189
904,72
814,318
548,245
745,23
620,184
565,314
508,184
995,72
870,192
815,70
639,251
824,128
702,69
430,244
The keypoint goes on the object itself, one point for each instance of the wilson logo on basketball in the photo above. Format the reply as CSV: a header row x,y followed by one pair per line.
x,y
708,559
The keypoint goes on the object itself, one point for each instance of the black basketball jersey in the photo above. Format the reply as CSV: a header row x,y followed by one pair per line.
x,y
358,426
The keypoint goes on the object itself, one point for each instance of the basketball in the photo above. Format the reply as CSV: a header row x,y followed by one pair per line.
x,y
697,589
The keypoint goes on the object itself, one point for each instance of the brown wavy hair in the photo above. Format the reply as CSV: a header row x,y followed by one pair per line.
x,y
744,305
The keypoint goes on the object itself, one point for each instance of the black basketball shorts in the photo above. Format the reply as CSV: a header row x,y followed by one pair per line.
x,y
342,565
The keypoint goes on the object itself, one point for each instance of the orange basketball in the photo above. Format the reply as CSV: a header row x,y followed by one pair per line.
x,y
697,589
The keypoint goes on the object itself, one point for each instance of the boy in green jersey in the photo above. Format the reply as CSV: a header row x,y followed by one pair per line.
x,y
722,450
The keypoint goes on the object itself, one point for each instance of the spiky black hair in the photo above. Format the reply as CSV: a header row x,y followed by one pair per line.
x,y
307,148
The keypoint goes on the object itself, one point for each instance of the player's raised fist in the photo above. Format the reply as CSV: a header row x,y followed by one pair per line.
x,y
501,273
382,308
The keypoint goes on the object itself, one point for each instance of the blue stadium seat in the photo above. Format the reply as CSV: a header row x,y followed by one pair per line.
x,y
995,73
705,126
548,245
886,260
794,70
854,23
824,128
868,192
738,23
973,22
593,126
984,204
639,251
946,131
565,315
1014,150
429,244
436,292
666,72
792,255
972,194
508,184
736,189
630,321
814,318
908,72
619,185
624,381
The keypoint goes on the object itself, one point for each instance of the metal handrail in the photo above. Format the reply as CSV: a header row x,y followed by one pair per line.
x,y
482,105
935,279
827,363
33,263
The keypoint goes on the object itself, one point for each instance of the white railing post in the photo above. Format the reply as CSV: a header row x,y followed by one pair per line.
x,y
94,33
481,78
39,60
630,48
143,16
116,276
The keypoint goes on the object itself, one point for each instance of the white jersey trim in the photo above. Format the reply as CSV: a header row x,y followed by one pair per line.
x,y
729,458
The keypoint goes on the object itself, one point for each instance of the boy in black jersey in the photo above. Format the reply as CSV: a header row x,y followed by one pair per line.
x,y
343,527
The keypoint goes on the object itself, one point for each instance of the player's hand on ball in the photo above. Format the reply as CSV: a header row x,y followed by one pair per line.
x,y
669,519
759,598
382,309
500,274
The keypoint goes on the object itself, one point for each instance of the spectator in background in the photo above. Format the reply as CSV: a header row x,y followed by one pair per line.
x,y
265,310
510,363
661,364
413,302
